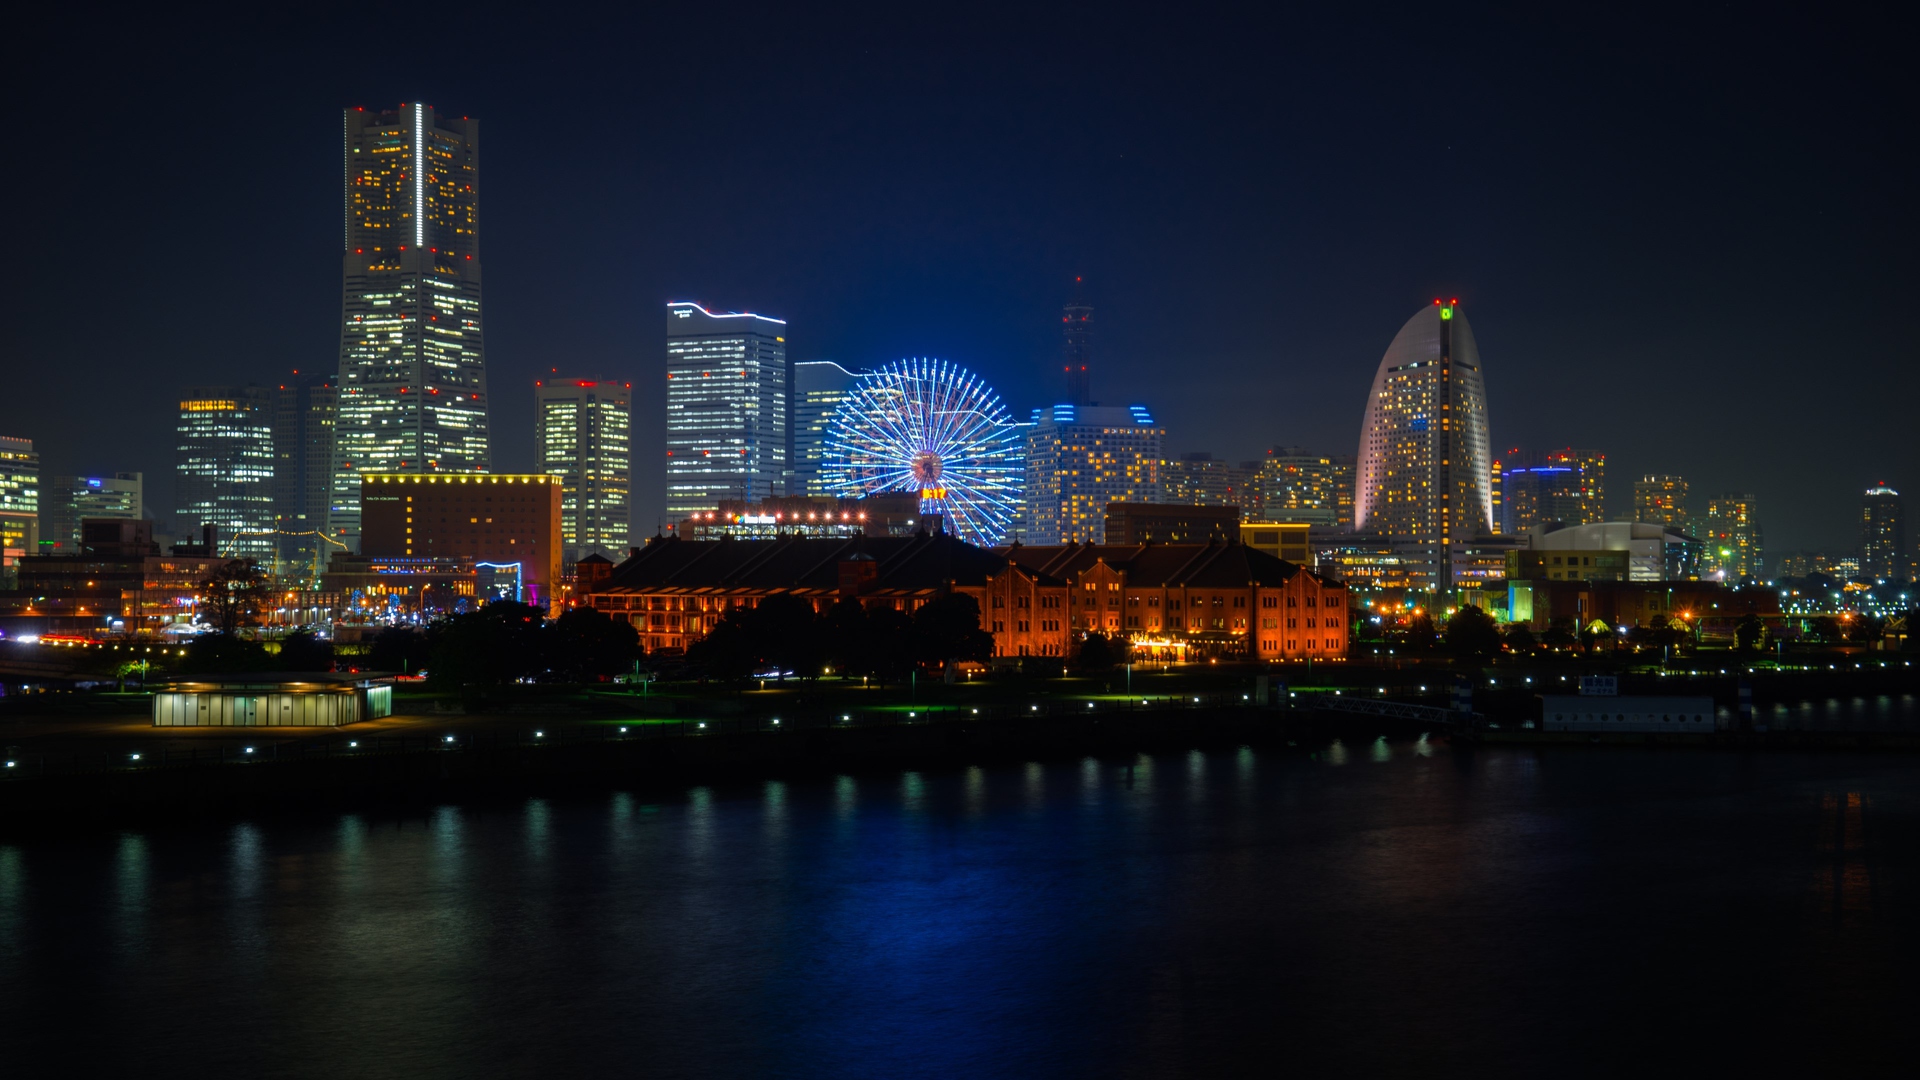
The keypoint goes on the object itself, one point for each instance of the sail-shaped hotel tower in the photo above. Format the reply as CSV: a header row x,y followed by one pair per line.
x,y
1423,478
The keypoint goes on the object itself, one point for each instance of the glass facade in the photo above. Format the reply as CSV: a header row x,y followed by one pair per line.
x,y
1564,486
1081,459
305,411
19,504
728,385
819,386
66,500
1423,460
412,381
224,471
583,433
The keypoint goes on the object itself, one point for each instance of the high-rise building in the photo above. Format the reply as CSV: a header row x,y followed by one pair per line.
x,y
583,434
1565,486
728,390
819,386
1299,486
66,500
305,411
507,525
1660,499
1081,459
413,376
1422,477
1200,479
19,505
1883,536
1732,541
1076,327
224,467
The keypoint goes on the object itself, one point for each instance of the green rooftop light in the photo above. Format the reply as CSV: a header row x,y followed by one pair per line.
x,y
1446,313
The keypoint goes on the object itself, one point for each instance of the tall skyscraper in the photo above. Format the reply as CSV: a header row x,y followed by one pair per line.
x,y
224,473
1423,442
1567,486
583,433
819,386
305,412
1076,326
1200,479
1883,536
66,500
1661,499
1732,541
1081,459
413,377
19,504
1297,486
728,391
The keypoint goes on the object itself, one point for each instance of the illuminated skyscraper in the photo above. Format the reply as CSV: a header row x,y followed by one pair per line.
x,y
1883,536
1081,459
224,467
1200,479
305,411
1662,500
413,379
819,386
1423,441
1732,541
583,434
1076,326
19,504
728,391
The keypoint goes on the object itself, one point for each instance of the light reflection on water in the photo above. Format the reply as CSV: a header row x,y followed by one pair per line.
x,y
1159,915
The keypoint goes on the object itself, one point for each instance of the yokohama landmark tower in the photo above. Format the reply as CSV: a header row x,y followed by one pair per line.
x,y
413,377
1423,476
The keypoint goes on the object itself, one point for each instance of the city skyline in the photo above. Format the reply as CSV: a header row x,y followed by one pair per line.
x,y
872,269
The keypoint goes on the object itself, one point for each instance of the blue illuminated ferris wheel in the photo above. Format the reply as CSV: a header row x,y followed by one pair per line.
x,y
936,428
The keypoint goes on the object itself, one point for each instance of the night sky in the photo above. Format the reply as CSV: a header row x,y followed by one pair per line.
x,y
1690,244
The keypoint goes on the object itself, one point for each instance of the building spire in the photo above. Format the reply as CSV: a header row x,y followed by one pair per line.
x,y
1076,324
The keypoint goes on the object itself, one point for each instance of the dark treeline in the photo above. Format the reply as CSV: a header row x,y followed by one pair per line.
x,y
783,636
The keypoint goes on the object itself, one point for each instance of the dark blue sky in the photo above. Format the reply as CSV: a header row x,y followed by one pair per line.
x,y
1689,243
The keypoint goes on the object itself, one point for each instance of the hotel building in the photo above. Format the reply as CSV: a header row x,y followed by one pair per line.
x,y
583,433
1081,459
1423,460
728,389
506,524
413,378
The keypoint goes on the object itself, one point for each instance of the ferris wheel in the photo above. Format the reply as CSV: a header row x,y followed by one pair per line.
x,y
936,428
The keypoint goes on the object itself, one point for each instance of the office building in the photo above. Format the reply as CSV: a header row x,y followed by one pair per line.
x,y
1081,459
819,386
1076,347
1883,536
508,525
1564,486
223,474
1200,479
19,504
728,389
1302,487
1732,538
305,411
413,376
1164,523
583,433
116,581
66,500
1423,460
1661,499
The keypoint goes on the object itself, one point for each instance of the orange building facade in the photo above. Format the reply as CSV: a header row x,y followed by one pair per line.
x,y
493,519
